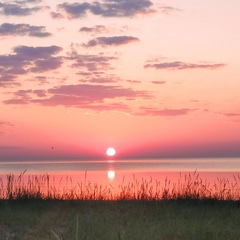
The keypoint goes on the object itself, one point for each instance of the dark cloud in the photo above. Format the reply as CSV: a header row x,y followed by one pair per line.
x,y
181,66
122,8
8,29
28,59
56,15
43,65
107,8
111,41
75,10
81,95
145,111
33,53
95,29
17,9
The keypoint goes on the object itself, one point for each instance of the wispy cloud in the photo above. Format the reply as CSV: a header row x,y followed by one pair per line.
x,y
182,65
90,62
145,111
133,81
230,114
3,127
167,9
107,8
158,82
7,80
111,41
9,29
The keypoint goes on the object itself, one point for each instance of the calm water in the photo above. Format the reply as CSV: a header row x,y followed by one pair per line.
x,y
208,165
115,170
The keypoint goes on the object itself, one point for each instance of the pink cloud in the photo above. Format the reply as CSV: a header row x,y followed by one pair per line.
x,y
81,96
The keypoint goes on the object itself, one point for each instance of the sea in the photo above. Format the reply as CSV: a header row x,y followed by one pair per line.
x,y
113,171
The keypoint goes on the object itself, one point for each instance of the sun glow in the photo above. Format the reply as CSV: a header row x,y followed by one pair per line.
x,y
110,152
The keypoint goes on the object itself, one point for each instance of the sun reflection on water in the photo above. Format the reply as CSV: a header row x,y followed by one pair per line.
x,y
111,175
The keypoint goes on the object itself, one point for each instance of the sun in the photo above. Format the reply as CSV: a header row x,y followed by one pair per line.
x,y
110,152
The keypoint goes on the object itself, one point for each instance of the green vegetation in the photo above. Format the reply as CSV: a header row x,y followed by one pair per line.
x,y
166,219
33,208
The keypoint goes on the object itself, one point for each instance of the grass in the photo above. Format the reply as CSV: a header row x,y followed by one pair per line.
x,y
33,208
188,186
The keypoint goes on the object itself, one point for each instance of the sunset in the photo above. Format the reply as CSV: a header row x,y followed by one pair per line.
x,y
152,78
119,119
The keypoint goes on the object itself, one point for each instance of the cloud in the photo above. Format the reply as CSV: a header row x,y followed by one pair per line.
x,y
40,93
181,66
231,114
122,8
7,80
111,41
8,29
94,93
33,53
91,62
95,29
158,82
28,59
167,9
75,10
56,15
133,81
17,9
105,79
145,111
81,96
107,8
40,79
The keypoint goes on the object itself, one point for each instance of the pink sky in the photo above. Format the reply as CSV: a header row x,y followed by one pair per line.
x,y
149,78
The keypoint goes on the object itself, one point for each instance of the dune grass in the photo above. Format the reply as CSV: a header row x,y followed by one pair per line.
x,y
33,208
188,186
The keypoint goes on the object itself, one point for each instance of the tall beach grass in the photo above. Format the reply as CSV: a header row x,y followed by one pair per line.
x,y
188,186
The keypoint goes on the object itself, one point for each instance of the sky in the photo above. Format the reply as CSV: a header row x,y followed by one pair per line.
x,y
153,79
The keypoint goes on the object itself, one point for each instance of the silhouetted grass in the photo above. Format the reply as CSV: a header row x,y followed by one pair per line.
x,y
188,186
